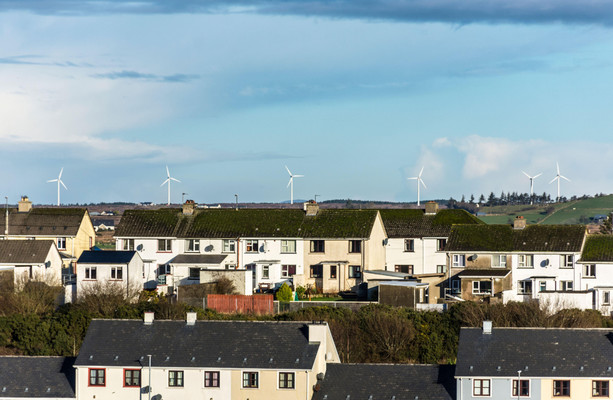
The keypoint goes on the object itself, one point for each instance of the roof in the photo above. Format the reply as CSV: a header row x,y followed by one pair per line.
x,y
503,238
537,352
384,381
231,223
484,273
24,251
415,223
106,257
222,344
598,248
44,222
198,259
42,376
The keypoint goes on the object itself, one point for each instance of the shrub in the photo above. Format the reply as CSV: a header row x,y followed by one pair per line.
x,y
284,293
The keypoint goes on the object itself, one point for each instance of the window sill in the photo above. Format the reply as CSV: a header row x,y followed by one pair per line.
x,y
164,251
526,267
288,252
589,277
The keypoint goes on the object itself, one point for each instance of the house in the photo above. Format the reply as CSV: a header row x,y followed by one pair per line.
x,y
70,228
98,270
515,263
387,381
597,271
539,363
103,224
23,260
27,378
122,359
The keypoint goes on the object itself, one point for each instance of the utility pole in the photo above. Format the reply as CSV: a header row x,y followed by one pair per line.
x,y
183,197
236,201
6,222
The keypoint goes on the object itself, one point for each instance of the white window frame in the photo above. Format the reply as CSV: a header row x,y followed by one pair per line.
x,y
440,245
499,261
192,245
606,297
521,287
229,246
409,245
478,291
114,271
566,286
567,261
525,261
257,378
288,247
167,246
484,390
516,382
88,273
458,260
441,269
128,244
266,271
542,286
589,270
285,270
252,246
61,243
354,272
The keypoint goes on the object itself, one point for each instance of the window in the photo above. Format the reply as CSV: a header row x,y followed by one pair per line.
x,y
164,245
455,286
193,245
287,271
250,379
229,245
316,271
211,378
175,378
606,298
542,286
524,287
117,273
355,246
524,388
459,260
332,271
407,269
265,271
288,246
600,388
355,272
164,269
90,272
441,269
194,273
61,243
567,286
567,261
251,246
481,387
561,388
286,380
525,261
97,377
589,271
409,245
440,244
128,244
499,260
482,287
318,246
131,377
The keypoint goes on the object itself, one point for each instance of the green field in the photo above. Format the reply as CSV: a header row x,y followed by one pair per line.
x,y
565,213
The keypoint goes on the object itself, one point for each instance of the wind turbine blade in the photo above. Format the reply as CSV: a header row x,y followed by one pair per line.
x,y
536,176
163,183
167,172
554,179
558,167
173,179
563,177
60,176
290,181
63,185
288,171
52,180
298,176
415,177
422,182
421,172
526,174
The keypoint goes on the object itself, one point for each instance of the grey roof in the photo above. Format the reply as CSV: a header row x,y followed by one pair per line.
x,y
24,251
106,257
415,223
45,221
537,352
488,273
222,344
198,259
382,381
42,376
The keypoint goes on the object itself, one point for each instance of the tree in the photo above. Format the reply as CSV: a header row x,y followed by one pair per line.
x,y
472,199
284,294
606,227
482,199
491,200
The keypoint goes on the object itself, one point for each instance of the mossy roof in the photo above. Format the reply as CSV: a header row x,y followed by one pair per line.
x,y
230,223
44,221
598,248
503,238
414,223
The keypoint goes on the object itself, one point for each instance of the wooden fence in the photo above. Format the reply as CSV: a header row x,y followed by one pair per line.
x,y
230,303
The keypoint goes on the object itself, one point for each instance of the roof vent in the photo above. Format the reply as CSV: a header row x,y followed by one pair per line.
x,y
471,368
487,327
370,397
116,358
297,360
3,389
167,358
193,359
348,397
91,357
553,368
245,360
148,318
581,368
498,368
526,368
270,361
48,390
218,359
191,318
25,390
609,369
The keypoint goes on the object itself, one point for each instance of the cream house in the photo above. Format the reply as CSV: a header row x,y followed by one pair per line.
x,y
25,260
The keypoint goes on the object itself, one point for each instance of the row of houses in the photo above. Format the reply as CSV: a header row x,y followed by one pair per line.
x,y
142,359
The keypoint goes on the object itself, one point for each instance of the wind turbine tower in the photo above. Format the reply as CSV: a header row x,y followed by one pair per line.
x,y
291,184
558,176
168,179
59,182
419,180
532,178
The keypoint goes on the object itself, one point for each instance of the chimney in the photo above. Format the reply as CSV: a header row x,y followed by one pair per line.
x,y
487,327
188,207
149,318
431,208
311,207
25,205
519,222
191,318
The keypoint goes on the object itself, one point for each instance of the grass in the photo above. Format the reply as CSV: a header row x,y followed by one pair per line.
x,y
334,298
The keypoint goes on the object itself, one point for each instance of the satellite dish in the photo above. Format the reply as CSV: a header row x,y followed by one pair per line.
x,y
139,247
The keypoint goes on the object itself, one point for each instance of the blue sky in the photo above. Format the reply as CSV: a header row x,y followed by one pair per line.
x,y
357,96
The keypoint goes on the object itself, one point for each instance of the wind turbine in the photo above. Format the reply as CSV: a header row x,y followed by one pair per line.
x,y
59,182
532,178
419,180
168,179
291,183
558,176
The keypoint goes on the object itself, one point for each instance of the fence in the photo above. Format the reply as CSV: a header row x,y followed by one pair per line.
x,y
281,307
230,303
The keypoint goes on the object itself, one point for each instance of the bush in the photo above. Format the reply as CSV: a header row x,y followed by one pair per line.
x,y
301,292
284,293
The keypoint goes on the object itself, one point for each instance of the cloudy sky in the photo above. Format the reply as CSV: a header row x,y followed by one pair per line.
x,y
356,95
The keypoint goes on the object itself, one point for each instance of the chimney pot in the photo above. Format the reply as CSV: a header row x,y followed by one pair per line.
x,y
148,319
487,327
191,318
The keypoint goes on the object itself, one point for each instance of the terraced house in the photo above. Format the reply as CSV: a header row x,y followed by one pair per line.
x,y
504,263
597,271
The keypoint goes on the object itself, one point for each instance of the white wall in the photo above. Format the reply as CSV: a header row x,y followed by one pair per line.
x,y
269,249
424,258
132,276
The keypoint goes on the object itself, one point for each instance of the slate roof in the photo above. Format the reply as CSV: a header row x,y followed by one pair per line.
x,y
414,223
535,351
221,344
44,221
24,251
230,223
488,273
198,259
106,257
598,248
503,238
42,376
382,381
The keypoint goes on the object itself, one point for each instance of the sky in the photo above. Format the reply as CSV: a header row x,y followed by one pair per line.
x,y
357,96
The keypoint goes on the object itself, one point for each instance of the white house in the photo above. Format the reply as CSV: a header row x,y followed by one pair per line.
x,y
99,269
23,260
596,266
